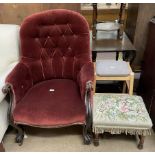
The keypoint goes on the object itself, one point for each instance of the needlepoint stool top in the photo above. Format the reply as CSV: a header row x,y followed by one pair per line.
x,y
120,113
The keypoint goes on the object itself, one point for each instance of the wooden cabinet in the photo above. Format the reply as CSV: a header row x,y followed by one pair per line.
x,y
138,17
147,80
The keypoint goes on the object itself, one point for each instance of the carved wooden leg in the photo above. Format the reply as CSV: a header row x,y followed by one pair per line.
x,y
87,128
141,142
20,135
86,135
96,139
2,148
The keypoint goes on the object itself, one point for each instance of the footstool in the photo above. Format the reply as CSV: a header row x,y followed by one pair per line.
x,y
120,113
112,70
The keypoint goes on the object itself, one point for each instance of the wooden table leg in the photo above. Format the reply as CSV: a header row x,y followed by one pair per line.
x,y
141,142
131,83
2,148
94,55
124,87
129,56
96,139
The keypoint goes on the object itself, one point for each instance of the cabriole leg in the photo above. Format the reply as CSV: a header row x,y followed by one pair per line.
x,y
20,133
86,135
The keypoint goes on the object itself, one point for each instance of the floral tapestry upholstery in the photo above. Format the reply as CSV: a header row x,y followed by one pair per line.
x,y
117,113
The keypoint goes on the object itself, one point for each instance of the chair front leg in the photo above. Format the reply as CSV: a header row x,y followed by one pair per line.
x,y
20,133
88,126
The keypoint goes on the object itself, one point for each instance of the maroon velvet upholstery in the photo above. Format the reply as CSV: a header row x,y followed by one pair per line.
x,y
59,107
55,44
55,54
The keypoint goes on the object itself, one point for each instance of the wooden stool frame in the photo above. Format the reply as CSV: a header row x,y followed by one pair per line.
x,y
128,80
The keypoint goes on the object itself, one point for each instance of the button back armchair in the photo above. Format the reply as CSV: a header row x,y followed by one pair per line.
x,y
51,86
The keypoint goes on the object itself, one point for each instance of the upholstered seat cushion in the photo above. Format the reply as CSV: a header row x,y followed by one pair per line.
x,y
55,102
112,68
118,113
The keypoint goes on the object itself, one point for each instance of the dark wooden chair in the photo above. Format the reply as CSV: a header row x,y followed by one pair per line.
x,y
116,25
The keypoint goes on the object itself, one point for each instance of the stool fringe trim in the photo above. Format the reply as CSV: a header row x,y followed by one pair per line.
x,y
143,132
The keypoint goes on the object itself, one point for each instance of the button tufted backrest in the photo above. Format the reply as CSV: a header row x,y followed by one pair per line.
x,y
55,44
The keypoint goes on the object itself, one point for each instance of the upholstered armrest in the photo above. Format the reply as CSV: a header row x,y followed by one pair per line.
x,y
3,76
86,74
20,81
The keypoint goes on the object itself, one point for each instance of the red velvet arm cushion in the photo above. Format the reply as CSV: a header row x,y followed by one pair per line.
x,y
20,81
86,74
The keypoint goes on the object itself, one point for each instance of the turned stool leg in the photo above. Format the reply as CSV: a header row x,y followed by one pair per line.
x,y
96,139
141,142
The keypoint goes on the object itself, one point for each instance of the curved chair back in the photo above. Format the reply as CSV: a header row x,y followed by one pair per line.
x,y
55,44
